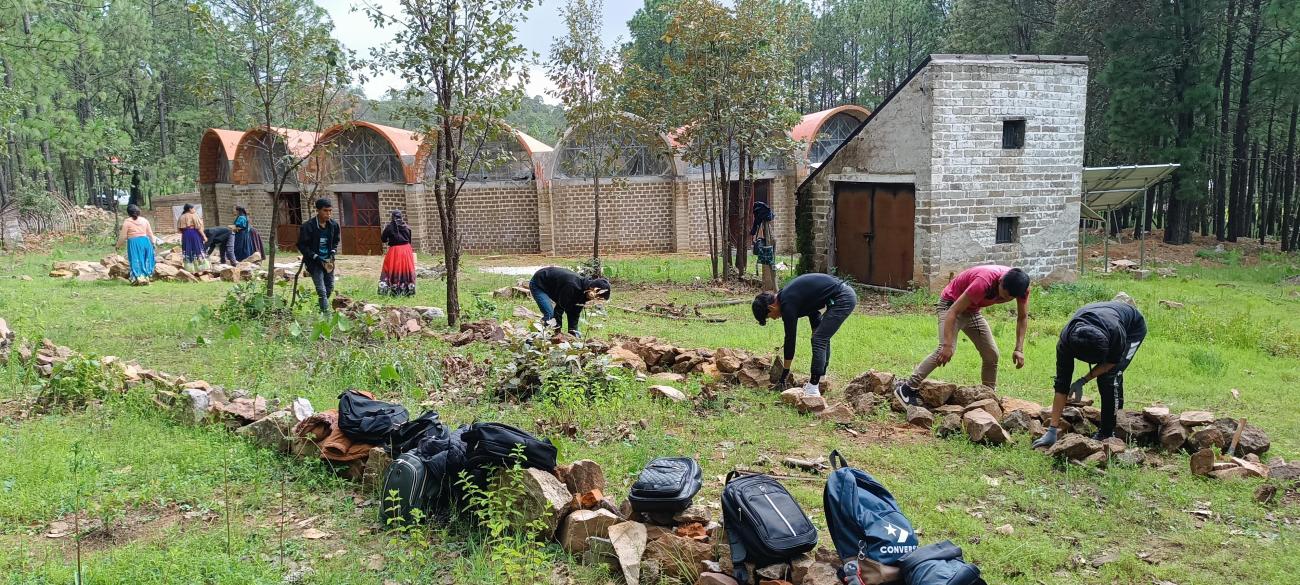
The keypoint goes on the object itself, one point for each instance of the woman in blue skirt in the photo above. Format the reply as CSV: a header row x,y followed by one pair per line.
x,y
246,239
138,236
192,239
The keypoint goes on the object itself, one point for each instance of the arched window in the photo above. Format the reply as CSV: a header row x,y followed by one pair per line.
x,y
621,152
361,155
763,164
502,159
832,133
267,158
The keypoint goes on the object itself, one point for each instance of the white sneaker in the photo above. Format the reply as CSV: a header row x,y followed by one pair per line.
x,y
810,389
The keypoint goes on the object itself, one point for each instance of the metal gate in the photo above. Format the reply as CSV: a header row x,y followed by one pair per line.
x,y
874,227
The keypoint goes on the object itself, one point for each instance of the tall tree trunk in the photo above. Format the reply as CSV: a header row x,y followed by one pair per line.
x,y
1178,230
1225,108
1288,178
595,237
1240,167
1252,187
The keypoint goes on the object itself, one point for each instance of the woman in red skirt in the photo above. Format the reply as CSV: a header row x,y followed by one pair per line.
x,y
398,274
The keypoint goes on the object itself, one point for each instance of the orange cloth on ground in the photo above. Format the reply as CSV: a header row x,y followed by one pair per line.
x,y
322,428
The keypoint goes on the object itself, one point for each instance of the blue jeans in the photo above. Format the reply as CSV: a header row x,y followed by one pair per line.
x,y
324,281
544,303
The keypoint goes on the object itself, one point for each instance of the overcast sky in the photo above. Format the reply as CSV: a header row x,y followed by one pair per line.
x,y
544,22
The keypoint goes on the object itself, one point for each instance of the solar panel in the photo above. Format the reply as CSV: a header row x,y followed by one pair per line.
x,y
1110,188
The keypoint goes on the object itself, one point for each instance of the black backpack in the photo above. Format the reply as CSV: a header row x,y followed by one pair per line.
x,y
666,485
407,486
495,444
366,420
765,526
412,433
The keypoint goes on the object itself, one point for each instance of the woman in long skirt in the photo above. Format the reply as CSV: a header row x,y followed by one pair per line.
x,y
192,239
138,236
246,238
397,277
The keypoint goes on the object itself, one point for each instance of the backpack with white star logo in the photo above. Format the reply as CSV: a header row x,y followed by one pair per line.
x,y
863,518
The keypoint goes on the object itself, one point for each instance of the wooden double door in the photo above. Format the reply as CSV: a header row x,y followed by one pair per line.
x,y
875,225
357,214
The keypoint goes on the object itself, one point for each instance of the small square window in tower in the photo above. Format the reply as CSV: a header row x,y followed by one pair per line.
x,y
1013,134
1008,230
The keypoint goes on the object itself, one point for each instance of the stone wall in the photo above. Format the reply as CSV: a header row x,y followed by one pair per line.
x,y
942,132
975,181
636,216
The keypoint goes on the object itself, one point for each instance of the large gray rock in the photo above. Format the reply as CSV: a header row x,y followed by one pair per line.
x,y
968,394
1173,435
200,405
583,524
629,540
375,470
935,393
919,416
949,426
582,476
667,393
545,498
678,557
981,427
1076,447
1253,439
271,432
989,405
1019,421
1137,429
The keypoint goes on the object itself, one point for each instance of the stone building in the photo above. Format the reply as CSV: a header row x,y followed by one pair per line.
x,y
974,159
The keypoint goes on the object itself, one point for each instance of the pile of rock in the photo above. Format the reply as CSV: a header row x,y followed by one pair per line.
x,y
687,547
169,267
984,417
650,355
389,321
520,290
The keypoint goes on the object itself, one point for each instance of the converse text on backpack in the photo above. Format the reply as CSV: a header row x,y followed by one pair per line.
x,y
901,535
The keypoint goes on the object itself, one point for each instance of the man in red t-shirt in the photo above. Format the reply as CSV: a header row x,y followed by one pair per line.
x,y
959,308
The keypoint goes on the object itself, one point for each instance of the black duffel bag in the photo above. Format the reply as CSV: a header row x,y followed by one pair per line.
x,y
666,486
501,445
410,434
366,420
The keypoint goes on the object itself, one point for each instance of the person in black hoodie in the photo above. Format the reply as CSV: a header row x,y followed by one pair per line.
x,y
806,296
219,237
318,241
559,292
1106,335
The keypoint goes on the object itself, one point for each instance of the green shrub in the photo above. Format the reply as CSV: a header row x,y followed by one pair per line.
x,y
501,510
79,380
247,301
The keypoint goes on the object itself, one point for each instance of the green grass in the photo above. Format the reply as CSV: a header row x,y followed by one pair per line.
x,y
136,464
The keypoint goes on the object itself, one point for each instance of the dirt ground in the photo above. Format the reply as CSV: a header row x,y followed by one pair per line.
x,y
1162,253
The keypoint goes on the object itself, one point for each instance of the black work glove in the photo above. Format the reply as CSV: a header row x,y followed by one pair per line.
x,y
1076,389
784,381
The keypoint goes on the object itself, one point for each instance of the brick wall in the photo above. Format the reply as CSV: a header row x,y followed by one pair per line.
x,y
783,205
943,133
636,216
974,180
494,217
161,214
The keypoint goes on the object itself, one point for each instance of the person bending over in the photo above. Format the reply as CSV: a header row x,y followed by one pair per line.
x,y
959,308
318,241
559,292
219,237
807,296
1105,335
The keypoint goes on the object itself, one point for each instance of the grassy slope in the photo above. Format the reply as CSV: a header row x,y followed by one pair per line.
x,y
141,466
